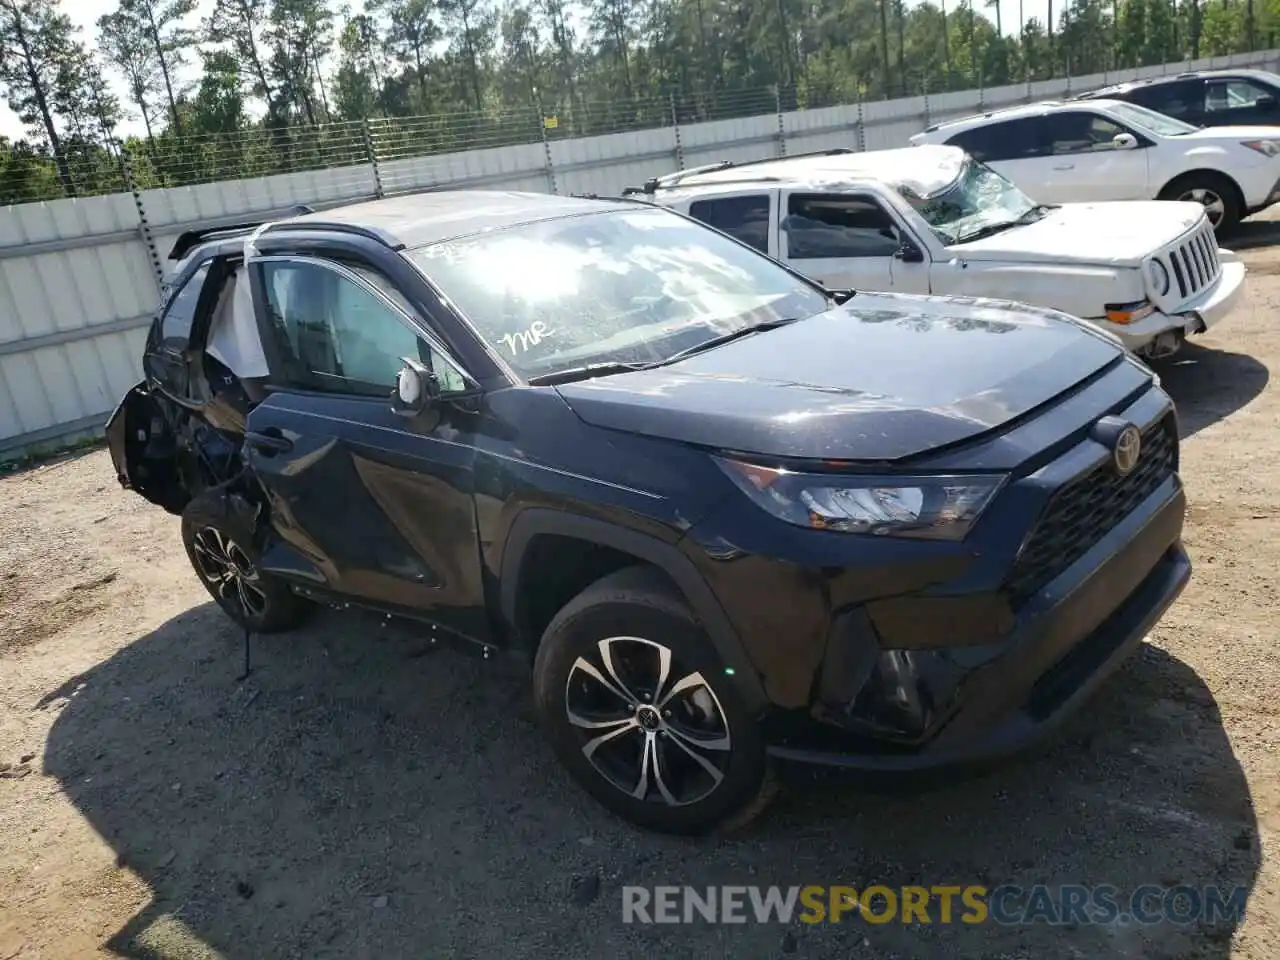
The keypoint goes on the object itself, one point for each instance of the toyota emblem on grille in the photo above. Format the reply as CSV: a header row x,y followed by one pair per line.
x,y
1127,449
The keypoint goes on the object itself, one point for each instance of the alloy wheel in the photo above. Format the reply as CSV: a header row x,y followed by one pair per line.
x,y
650,726
1214,207
228,571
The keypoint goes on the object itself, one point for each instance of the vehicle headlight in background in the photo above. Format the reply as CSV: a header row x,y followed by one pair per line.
x,y
928,507
1159,277
1268,148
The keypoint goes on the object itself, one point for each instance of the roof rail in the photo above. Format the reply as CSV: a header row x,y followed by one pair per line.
x,y
654,184
596,196
191,239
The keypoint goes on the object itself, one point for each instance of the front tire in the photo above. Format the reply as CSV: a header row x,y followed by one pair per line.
x,y
1216,192
640,710
224,553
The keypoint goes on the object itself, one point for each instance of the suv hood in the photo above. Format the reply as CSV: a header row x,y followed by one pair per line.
x,y
1101,234
1234,134
883,377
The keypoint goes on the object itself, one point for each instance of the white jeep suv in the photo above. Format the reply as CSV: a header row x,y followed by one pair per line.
x,y
932,220
1082,150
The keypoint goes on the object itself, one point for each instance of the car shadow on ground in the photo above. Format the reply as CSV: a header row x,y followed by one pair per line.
x,y
1209,385
1249,234
363,793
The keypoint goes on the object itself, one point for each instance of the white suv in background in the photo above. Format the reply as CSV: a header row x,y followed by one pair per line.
x,y
931,220
1081,150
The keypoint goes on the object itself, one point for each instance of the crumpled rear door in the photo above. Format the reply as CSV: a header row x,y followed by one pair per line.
x,y
144,450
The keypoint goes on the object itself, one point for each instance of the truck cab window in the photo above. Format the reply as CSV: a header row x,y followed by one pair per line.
x,y
839,227
744,218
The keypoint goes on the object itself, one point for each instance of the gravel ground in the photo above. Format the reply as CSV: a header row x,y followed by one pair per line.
x,y
362,795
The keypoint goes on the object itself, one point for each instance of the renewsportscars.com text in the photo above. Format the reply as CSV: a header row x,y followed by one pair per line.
x,y
941,904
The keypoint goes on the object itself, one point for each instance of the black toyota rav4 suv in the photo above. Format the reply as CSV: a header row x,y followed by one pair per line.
x,y
728,515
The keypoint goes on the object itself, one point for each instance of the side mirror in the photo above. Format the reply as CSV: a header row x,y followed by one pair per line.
x,y
1124,141
909,253
416,388
1265,103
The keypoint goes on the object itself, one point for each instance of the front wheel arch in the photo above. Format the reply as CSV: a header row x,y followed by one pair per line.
x,y
1233,194
666,557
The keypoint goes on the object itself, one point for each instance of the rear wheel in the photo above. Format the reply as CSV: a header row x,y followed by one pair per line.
x,y
1216,193
223,552
642,713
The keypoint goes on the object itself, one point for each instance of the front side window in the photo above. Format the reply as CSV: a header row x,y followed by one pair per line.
x,y
334,332
979,202
838,227
618,286
1236,94
746,218
180,313
1081,131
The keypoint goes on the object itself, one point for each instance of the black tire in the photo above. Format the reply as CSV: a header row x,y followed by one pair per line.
x,y
256,601
634,613
1210,190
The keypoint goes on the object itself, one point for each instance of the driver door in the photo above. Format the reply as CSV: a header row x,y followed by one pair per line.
x,y
374,506
847,240
1083,163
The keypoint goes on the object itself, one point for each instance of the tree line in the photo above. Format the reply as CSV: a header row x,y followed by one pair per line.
x,y
275,85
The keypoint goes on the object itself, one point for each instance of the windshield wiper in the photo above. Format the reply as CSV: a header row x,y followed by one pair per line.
x,y
1030,216
586,371
725,338
609,367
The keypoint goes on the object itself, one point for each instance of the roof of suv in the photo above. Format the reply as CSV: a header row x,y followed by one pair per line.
x,y
1127,85
1006,113
425,218
410,221
925,170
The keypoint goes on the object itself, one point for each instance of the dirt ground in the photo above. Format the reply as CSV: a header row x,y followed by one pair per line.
x,y
361,795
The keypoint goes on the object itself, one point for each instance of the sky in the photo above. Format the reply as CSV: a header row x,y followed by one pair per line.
x,y
85,14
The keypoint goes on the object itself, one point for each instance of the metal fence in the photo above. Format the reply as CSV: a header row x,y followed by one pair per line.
x,y
80,278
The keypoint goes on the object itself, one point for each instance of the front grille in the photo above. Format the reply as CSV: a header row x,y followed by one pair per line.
x,y
1193,263
1085,510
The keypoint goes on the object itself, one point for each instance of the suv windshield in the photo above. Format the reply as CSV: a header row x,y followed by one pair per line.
x,y
977,204
633,285
1151,121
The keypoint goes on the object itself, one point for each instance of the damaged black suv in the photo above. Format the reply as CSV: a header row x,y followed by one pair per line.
x,y
728,515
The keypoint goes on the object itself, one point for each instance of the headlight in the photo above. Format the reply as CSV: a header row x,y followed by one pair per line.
x,y
933,508
1268,148
1159,277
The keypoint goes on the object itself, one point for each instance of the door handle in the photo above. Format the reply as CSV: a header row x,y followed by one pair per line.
x,y
1064,166
268,442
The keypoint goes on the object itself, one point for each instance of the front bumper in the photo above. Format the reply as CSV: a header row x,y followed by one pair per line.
x,y
1195,316
1047,667
1259,185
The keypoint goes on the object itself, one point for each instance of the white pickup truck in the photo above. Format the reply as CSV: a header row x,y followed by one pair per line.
x,y
931,219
